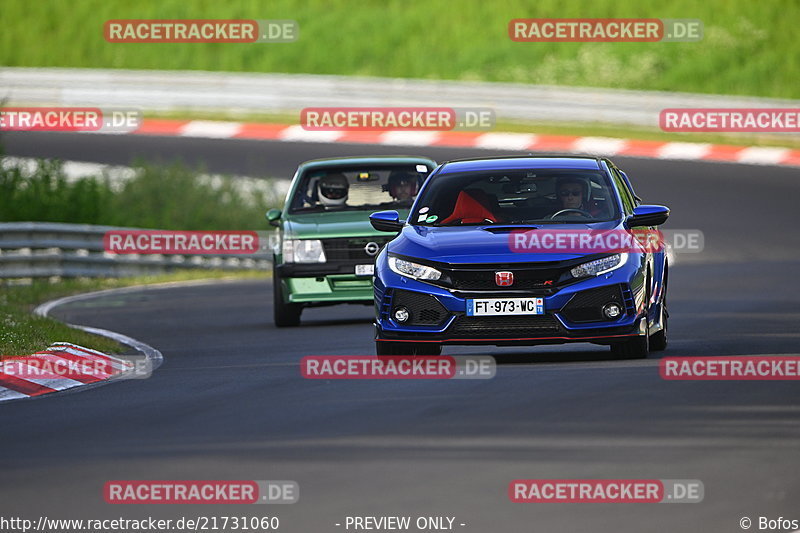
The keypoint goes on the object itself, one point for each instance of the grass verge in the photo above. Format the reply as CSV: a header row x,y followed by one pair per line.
x,y
748,48
22,333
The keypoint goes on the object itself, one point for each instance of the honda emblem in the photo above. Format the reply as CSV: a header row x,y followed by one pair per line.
x,y
504,279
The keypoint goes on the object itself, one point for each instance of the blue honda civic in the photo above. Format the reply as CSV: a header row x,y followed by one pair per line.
x,y
504,251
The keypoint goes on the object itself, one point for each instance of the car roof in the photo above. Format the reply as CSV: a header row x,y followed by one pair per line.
x,y
521,162
368,160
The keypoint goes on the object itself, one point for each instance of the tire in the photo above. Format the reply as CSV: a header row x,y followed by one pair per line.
x,y
658,341
639,346
428,348
388,348
636,348
284,315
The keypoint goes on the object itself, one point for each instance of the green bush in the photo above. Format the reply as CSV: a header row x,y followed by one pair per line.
x,y
170,197
45,195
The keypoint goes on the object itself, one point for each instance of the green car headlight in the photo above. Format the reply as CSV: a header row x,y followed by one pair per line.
x,y
599,266
303,251
413,270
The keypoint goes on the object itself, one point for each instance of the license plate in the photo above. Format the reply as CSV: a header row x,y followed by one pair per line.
x,y
365,270
505,306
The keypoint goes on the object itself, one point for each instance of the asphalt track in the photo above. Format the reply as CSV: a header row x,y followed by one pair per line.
x,y
229,402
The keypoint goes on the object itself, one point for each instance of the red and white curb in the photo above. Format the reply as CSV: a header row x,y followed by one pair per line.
x,y
525,142
16,381
60,367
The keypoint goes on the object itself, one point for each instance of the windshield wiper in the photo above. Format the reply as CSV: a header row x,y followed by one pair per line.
x,y
508,228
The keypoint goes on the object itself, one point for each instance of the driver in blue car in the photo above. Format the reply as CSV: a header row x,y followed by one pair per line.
x,y
575,193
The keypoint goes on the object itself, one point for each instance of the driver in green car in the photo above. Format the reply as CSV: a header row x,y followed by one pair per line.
x,y
403,187
332,190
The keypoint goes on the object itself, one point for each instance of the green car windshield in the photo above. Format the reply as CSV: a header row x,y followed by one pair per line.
x,y
372,187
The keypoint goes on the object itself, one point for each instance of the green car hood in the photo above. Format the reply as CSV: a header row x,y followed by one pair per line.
x,y
333,224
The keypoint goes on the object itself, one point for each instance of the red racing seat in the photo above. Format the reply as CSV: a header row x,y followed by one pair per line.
x,y
472,207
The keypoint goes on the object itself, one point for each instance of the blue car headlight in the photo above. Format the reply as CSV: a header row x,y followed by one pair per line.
x,y
413,270
599,266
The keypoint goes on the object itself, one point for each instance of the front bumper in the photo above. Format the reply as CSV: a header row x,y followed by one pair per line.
x,y
560,335
572,312
321,284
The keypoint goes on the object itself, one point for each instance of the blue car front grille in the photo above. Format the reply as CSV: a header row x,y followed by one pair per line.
x,y
587,306
385,304
503,326
627,297
424,309
526,277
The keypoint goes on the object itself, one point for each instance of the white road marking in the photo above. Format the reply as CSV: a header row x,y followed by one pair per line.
x,y
211,129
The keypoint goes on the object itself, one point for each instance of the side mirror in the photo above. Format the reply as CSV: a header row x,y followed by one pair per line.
x,y
386,221
273,215
648,215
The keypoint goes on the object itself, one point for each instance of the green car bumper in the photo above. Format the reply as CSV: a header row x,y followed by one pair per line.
x,y
310,284
331,288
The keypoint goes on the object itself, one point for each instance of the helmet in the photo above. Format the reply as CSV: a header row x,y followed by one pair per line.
x,y
333,190
401,177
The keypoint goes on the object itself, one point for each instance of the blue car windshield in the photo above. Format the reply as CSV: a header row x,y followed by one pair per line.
x,y
517,197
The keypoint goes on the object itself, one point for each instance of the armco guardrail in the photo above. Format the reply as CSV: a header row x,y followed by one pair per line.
x,y
288,93
43,250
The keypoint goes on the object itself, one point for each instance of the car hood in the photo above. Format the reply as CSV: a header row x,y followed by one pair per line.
x,y
331,224
478,244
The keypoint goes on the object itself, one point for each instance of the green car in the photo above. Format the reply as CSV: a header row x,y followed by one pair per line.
x,y
326,247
